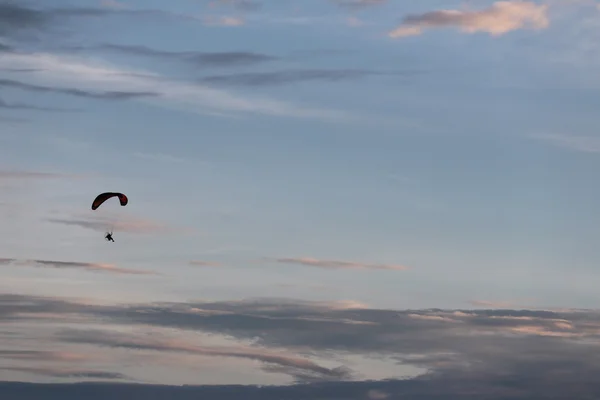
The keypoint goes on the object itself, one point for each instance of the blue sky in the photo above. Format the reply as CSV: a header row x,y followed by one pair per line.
x,y
393,155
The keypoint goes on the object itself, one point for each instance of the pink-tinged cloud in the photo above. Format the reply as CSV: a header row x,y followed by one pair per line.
x,y
334,264
277,358
502,17
199,263
432,318
39,356
95,267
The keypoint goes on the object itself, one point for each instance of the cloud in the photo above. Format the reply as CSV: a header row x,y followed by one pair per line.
x,y
94,267
223,21
584,144
69,373
333,264
42,356
109,95
539,352
121,83
273,358
502,17
202,59
199,263
14,174
14,18
102,223
24,106
491,304
288,77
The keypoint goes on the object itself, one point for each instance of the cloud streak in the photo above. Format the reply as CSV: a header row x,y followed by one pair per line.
x,y
200,59
288,362
502,17
198,263
24,106
94,267
109,95
291,76
335,264
15,174
102,223
134,84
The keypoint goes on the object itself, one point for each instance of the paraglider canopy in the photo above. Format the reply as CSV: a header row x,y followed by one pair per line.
x,y
101,198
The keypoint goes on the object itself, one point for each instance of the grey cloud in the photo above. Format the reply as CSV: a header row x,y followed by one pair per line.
x,y
488,353
430,388
14,17
129,225
34,355
217,59
111,95
200,263
299,366
291,76
24,106
17,18
69,373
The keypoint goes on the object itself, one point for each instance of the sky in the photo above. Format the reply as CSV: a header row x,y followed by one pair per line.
x,y
360,199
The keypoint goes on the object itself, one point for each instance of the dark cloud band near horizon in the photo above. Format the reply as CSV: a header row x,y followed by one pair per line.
x,y
535,348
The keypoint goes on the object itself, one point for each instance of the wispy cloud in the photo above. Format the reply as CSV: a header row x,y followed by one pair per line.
x,y
128,224
61,372
94,267
25,106
223,21
199,263
276,358
585,144
109,95
492,304
334,264
502,17
199,59
16,174
294,76
121,83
